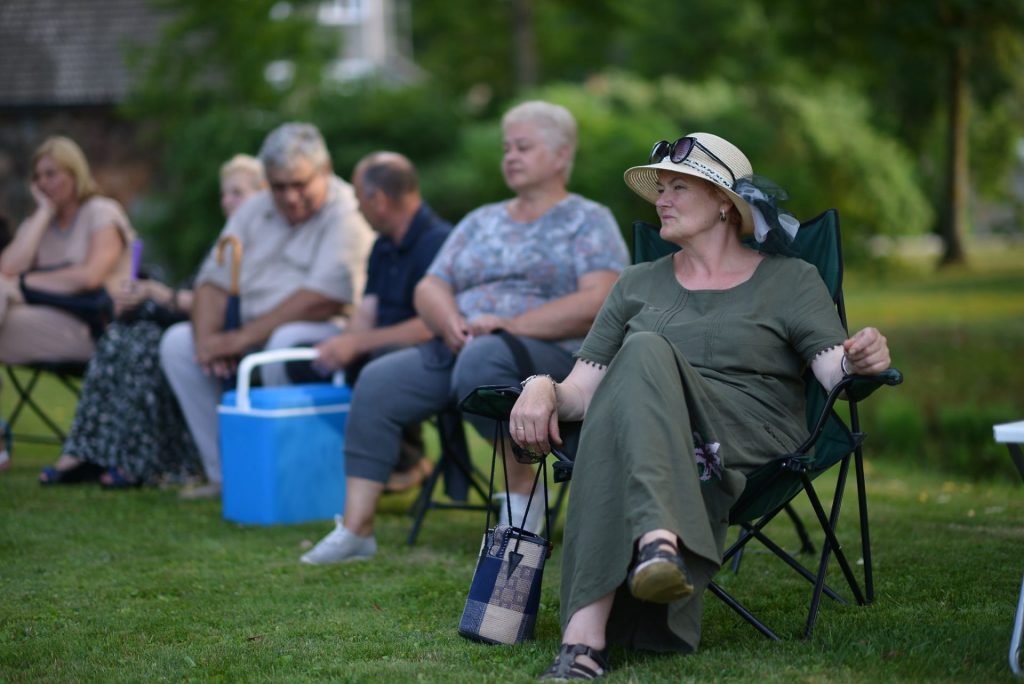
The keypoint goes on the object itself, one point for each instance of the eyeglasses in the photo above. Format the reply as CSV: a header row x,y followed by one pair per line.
x,y
680,149
281,187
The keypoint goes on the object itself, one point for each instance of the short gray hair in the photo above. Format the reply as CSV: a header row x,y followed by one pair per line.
x,y
555,123
292,141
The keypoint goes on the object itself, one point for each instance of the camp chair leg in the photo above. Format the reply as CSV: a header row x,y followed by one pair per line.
x,y
806,546
425,500
865,535
422,503
831,543
24,392
862,503
755,531
742,612
21,390
736,560
796,565
747,531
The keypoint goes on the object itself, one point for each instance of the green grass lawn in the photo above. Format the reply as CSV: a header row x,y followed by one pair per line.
x,y
101,586
138,586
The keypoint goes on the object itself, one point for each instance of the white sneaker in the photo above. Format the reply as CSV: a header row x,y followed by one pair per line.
x,y
341,546
534,520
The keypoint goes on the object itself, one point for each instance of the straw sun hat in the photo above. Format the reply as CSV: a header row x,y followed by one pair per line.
x,y
698,163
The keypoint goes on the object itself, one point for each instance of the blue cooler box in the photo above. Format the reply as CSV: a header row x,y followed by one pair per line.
x,y
281,452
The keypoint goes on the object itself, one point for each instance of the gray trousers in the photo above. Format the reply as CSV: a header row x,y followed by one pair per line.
x,y
409,386
198,393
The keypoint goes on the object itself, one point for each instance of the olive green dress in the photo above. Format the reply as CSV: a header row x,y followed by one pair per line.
x,y
701,386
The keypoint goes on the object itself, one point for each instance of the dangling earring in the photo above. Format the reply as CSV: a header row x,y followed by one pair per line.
x,y
721,215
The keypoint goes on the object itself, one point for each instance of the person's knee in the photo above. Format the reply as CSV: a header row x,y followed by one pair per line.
x,y
300,334
486,361
646,343
284,336
377,380
176,345
644,354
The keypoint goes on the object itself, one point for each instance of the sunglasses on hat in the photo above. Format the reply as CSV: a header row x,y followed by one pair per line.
x,y
680,149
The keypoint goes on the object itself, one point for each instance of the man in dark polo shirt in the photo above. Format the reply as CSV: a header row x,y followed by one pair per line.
x,y
410,234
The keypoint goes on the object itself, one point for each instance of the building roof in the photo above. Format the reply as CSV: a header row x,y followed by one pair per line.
x,y
70,52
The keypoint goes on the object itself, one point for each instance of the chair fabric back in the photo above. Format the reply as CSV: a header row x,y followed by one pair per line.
x,y
771,486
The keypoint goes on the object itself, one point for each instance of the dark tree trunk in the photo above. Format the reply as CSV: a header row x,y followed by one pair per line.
x,y
524,44
953,222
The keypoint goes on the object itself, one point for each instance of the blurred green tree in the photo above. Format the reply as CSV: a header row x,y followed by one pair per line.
x,y
947,69
839,101
204,91
828,155
501,49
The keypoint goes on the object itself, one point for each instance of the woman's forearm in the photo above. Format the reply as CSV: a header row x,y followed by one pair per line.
x,y
569,316
435,303
20,255
105,249
575,392
209,303
63,280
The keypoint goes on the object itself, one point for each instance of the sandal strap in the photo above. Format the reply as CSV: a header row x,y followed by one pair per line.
x,y
656,549
566,667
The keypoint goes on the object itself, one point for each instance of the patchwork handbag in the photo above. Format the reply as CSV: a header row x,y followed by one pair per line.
x,y
505,593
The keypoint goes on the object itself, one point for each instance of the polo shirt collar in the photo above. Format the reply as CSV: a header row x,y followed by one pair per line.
x,y
421,221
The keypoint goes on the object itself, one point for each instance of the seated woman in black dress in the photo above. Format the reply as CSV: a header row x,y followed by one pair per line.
x,y
128,428
690,377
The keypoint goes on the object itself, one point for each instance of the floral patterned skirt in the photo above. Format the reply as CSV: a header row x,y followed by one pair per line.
x,y
127,416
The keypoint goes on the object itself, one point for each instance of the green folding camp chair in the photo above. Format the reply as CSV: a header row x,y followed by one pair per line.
x,y
770,488
24,380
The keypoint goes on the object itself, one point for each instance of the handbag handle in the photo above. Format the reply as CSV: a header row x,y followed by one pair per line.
x,y
525,367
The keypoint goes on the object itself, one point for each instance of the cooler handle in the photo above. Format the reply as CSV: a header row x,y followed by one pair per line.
x,y
252,361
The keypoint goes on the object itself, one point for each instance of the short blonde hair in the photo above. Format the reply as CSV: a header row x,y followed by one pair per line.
x,y
555,123
247,164
66,153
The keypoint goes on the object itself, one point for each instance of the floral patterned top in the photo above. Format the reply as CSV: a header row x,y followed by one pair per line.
x,y
498,266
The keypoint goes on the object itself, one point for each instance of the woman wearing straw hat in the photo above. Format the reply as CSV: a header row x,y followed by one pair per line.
x,y
700,352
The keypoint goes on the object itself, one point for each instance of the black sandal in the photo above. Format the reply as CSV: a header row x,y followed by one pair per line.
x,y
113,478
659,575
84,471
565,667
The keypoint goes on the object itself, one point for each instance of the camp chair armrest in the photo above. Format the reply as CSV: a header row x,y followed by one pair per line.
x,y
491,401
860,387
496,402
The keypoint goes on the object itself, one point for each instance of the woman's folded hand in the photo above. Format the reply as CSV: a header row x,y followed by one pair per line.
x,y
533,424
867,352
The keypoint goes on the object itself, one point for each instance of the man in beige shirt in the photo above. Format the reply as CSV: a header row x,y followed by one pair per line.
x,y
304,251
